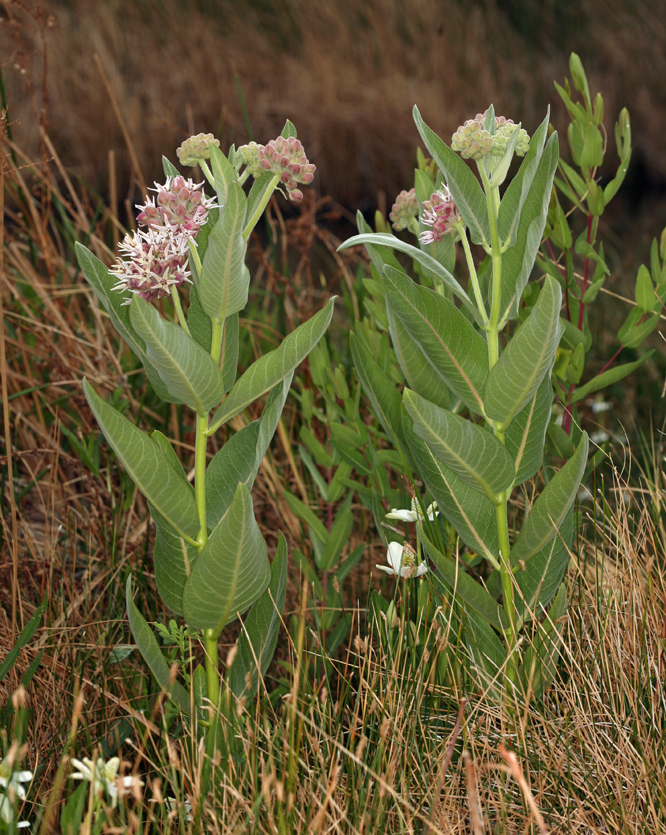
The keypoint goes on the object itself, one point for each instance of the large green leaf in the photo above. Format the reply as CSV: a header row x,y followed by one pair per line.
x,y
173,560
199,323
152,654
449,342
224,174
467,589
542,574
270,417
381,392
103,283
516,193
540,659
376,239
471,451
225,280
230,344
419,374
526,436
273,367
527,359
518,260
464,187
146,465
231,572
186,369
552,506
471,513
258,639
607,378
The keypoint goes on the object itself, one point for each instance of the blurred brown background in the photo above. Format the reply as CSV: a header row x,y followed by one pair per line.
x,y
346,73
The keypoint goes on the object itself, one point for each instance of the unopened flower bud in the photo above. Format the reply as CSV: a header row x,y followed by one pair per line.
x,y
249,154
406,207
503,135
472,140
196,148
286,157
441,213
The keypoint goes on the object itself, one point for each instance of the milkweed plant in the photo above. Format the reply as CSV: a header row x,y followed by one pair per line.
x,y
211,560
472,418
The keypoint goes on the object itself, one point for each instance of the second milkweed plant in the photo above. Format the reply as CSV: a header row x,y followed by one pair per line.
x,y
211,560
472,418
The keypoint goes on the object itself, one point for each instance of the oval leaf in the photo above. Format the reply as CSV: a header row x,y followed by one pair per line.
x,y
231,572
146,465
273,367
471,451
188,372
526,436
527,359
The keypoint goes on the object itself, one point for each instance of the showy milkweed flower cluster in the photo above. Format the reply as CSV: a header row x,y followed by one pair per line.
x,y
156,259
406,207
473,141
282,156
441,213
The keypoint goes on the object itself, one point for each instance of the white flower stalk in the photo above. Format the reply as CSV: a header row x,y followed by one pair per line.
x,y
11,789
402,561
415,514
104,776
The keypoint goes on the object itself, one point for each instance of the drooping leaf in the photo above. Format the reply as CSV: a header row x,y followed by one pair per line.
x,y
467,589
471,451
471,513
377,239
457,353
607,378
464,187
273,367
525,437
419,374
258,639
225,280
231,572
150,649
552,506
518,260
112,300
186,369
146,465
527,359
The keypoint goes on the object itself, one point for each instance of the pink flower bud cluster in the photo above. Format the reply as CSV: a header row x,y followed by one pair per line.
x,y
196,148
441,213
473,141
180,204
155,262
406,207
286,157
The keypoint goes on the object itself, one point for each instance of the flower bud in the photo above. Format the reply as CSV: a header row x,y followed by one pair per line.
x,y
406,207
471,140
196,148
249,155
286,157
441,213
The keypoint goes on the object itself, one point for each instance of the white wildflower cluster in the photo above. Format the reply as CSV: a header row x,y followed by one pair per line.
x,y
104,777
11,790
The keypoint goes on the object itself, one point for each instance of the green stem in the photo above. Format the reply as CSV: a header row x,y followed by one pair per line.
x,y
179,309
243,177
194,252
216,339
472,272
208,174
260,208
200,478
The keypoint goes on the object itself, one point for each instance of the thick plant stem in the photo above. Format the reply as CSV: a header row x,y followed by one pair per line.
x,y
200,478
510,634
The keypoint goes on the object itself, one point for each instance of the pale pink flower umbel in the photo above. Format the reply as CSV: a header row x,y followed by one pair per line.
x,y
180,204
157,261
406,207
286,157
441,213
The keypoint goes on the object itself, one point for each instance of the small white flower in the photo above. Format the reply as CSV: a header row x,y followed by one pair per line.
x,y
103,775
599,437
10,783
415,514
401,561
598,406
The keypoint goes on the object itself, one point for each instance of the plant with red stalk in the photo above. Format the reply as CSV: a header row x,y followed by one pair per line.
x,y
579,184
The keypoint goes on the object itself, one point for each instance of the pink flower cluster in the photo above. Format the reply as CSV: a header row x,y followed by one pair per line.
x,y
406,207
156,259
286,157
441,213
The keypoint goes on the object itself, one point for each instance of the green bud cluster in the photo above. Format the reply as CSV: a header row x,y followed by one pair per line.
x,y
502,136
472,141
196,148
249,154
406,207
